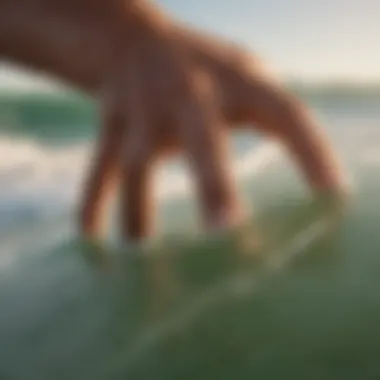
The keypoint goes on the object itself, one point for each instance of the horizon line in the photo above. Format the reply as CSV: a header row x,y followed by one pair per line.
x,y
51,85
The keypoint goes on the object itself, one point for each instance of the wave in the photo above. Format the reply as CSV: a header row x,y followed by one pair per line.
x,y
44,180
60,117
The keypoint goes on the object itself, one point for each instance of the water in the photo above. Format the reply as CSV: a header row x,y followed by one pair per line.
x,y
305,305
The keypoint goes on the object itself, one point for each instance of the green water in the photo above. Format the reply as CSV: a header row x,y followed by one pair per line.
x,y
304,305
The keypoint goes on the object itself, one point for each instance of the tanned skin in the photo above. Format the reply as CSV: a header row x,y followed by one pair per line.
x,y
161,88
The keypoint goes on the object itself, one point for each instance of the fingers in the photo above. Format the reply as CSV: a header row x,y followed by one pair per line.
x,y
205,143
103,172
280,113
137,197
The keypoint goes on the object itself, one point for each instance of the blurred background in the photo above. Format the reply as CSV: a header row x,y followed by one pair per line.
x,y
304,306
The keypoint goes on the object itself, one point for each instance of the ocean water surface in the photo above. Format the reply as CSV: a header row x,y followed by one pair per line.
x,y
305,305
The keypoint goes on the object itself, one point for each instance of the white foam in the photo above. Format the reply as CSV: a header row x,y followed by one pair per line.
x,y
46,183
180,184
34,173
27,168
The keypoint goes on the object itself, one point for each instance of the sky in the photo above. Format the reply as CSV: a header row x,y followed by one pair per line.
x,y
310,40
